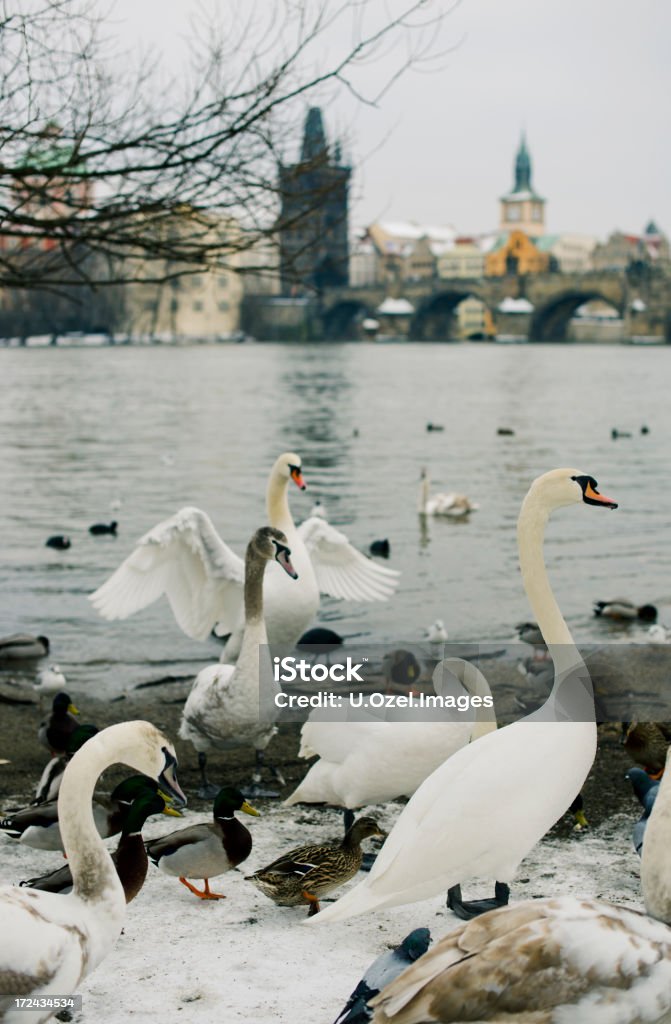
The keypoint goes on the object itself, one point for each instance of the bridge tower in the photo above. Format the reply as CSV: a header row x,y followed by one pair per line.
x,y
522,209
313,229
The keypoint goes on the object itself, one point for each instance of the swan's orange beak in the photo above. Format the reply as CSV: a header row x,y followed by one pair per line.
x,y
595,498
298,477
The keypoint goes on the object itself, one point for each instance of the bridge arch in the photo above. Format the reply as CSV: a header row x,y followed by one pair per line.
x,y
550,320
342,320
434,318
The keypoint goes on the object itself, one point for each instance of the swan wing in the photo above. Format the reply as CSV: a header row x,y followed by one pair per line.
x,y
341,570
184,558
567,954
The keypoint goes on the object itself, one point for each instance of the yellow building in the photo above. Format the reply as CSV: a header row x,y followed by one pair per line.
x,y
515,253
522,208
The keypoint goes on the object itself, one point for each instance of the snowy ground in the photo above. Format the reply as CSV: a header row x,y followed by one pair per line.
x,y
244,959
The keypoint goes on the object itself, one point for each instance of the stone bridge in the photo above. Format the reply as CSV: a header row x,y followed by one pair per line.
x,y
643,301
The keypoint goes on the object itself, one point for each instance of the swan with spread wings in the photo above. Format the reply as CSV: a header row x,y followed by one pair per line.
x,y
185,559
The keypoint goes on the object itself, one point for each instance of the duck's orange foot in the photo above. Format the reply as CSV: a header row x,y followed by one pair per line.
x,y
313,901
203,894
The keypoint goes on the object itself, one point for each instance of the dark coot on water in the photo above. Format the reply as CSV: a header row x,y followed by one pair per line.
x,y
99,529
59,542
381,548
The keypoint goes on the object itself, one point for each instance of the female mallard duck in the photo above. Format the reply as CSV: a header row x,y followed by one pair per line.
x,y
647,744
52,776
424,854
54,733
23,646
551,960
185,558
223,708
130,856
208,849
39,826
453,505
49,941
307,873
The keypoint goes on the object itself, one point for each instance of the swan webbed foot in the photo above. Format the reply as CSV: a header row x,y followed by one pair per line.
x,y
468,909
255,789
208,790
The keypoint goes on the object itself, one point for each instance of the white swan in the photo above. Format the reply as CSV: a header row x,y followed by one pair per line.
x,y
50,941
227,706
482,810
370,762
453,505
185,559
564,959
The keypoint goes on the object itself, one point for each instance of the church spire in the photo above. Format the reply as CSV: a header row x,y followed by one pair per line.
x,y
314,137
523,167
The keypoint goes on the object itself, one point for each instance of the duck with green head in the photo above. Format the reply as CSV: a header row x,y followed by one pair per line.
x,y
56,730
208,849
130,856
38,826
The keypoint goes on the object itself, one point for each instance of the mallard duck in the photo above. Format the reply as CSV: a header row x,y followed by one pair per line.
x,y
130,856
56,730
208,849
645,790
473,787
307,873
647,744
185,558
453,505
380,973
23,646
623,610
49,941
530,633
52,776
39,826
550,960
225,708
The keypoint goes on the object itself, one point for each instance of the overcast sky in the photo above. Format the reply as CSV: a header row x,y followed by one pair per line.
x,y
589,80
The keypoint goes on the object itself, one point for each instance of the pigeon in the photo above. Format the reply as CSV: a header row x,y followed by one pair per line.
x,y
645,790
380,973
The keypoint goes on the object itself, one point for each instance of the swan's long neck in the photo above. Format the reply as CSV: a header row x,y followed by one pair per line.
x,y
93,872
277,503
565,656
255,629
475,684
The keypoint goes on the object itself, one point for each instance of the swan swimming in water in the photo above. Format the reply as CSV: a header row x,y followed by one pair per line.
x,y
453,505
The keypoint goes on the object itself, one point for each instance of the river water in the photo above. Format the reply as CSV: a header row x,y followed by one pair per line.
x,y
155,428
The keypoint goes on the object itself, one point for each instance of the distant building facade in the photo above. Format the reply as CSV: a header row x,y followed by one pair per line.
x,y
621,251
313,224
515,253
